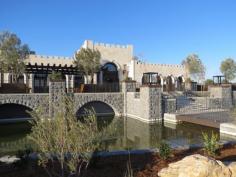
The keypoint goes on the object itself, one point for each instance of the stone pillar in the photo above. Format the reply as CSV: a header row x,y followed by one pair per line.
x,y
67,83
56,96
25,79
95,78
100,77
72,83
31,83
223,93
127,87
150,97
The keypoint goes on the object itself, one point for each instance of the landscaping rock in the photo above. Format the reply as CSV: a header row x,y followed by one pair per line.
x,y
198,166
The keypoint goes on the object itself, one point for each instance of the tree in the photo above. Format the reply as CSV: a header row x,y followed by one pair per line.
x,y
194,67
88,61
64,144
228,68
12,55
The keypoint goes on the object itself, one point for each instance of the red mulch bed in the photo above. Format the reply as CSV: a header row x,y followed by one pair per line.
x,y
144,165
226,153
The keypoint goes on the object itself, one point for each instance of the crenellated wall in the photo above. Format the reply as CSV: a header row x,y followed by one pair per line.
x,y
163,69
119,54
49,60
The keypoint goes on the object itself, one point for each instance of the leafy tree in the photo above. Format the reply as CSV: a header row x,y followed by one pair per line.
x,y
194,67
88,61
228,68
12,54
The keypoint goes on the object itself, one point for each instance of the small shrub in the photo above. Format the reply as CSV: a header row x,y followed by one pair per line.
x,y
55,76
210,143
64,145
129,171
164,150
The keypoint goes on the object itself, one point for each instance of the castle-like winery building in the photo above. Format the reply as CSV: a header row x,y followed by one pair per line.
x,y
117,64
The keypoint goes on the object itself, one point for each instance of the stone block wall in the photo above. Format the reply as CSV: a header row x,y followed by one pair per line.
x,y
129,86
29,100
223,93
57,91
234,98
170,105
145,106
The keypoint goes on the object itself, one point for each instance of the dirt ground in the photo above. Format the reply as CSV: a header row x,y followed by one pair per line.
x,y
143,165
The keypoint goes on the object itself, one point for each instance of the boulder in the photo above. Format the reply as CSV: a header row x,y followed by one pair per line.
x,y
198,166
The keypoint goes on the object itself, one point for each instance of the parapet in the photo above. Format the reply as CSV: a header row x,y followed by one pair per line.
x,y
140,63
50,57
113,45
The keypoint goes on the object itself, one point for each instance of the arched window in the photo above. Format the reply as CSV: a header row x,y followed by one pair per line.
x,y
110,73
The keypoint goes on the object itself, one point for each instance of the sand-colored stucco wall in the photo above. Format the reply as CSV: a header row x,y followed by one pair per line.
x,y
51,60
163,69
119,54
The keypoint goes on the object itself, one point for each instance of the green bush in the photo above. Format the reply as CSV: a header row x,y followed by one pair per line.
x,y
210,143
164,150
55,76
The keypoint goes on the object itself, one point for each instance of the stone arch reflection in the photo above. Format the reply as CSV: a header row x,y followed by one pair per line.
x,y
103,112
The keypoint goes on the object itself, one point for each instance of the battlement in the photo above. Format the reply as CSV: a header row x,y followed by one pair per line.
x,y
140,63
112,45
51,57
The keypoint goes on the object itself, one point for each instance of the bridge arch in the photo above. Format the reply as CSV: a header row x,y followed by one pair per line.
x,y
100,108
18,102
10,111
113,100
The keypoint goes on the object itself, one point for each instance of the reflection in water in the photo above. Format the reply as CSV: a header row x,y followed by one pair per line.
x,y
128,134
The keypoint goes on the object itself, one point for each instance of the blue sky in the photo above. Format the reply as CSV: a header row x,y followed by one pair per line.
x,y
162,31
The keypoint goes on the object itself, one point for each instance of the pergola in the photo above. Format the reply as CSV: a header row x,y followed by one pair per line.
x,y
48,69
218,79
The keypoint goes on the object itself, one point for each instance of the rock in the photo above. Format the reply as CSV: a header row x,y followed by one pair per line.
x,y
232,167
198,166
8,159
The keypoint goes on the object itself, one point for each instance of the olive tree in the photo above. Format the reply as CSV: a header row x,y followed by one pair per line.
x,y
64,144
88,61
228,68
12,55
194,67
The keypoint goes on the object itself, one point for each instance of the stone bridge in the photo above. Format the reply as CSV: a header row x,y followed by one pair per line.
x,y
33,100
144,105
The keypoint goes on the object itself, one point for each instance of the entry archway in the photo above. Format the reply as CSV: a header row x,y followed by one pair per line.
x,y
170,86
110,73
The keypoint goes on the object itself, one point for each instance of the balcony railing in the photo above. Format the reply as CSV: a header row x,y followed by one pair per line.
x,y
96,88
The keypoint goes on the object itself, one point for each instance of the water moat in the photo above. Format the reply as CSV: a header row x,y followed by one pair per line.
x,y
130,134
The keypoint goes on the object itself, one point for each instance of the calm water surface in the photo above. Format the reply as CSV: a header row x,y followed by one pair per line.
x,y
131,134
